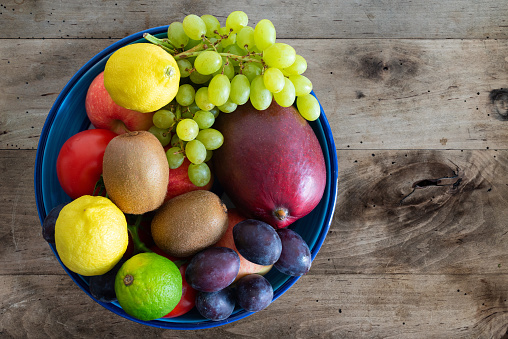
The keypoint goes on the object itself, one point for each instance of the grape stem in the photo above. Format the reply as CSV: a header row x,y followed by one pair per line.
x,y
160,42
211,43
239,58
139,246
196,50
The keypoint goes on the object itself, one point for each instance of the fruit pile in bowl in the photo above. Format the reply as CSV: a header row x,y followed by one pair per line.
x,y
186,176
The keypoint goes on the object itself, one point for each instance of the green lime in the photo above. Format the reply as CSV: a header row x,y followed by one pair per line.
x,y
148,286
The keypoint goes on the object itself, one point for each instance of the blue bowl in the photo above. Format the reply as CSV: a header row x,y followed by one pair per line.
x,y
68,117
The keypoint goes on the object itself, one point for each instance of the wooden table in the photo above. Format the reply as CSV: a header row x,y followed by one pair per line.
x,y
416,93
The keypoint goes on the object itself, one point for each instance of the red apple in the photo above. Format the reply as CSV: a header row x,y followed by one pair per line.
x,y
246,267
104,113
179,182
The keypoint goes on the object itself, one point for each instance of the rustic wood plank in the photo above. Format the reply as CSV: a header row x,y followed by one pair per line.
x,y
22,247
324,19
377,94
423,94
422,211
318,306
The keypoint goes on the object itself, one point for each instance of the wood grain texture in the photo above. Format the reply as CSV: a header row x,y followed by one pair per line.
x,y
317,306
324,19
22,248
421,211
399,94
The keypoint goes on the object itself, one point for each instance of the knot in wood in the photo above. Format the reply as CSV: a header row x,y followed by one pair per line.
x,y
499,100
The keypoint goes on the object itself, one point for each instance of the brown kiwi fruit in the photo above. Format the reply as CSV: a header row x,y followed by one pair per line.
x,y
188,223
135,172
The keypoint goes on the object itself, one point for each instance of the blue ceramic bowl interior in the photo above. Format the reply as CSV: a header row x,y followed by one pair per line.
x,y
68,117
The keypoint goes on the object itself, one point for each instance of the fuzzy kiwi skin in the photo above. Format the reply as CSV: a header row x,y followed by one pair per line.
x,y
188,223
135,172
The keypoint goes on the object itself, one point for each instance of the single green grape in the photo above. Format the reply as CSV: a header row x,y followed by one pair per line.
x,y
211,138
204,119
209,155
218,89
264,34
162,134
251,70
215,111
273,79
245,38
176,35
200,174
198,78
195,151
286,97
202,99
227,68
194,26
185,95
260,97
175,157
236,21
184,66
187,129
163,118
208,62
302,84
212,24
228,107
192,43
187,114
240,89
193,107
175,140
308,106
298,67
279,55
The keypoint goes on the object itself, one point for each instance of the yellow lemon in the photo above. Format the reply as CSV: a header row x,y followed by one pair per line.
x,y
142,77
91,235
148,286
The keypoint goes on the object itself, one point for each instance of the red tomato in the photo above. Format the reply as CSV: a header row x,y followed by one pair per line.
x,y
188,299
79,163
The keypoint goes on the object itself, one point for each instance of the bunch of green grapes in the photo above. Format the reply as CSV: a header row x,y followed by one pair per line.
x,y
235,63
185,131
222,67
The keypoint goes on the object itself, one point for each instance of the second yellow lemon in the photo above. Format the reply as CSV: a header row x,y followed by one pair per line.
x,y
142,77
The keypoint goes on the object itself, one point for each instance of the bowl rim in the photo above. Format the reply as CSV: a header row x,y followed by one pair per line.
x,y
330,144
